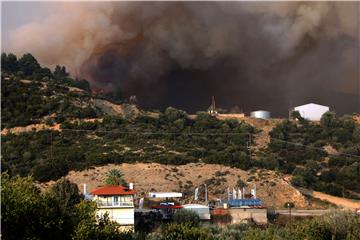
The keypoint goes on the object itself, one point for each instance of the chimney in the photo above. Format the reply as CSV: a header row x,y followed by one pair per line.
x,y
131,186
85,191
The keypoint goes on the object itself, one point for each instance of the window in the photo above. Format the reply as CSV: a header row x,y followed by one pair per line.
x,y
115,200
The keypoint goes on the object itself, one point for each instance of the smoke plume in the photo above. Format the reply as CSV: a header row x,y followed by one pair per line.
x,y
251,54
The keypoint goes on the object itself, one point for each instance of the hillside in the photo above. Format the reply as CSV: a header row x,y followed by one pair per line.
x,y
31,102
53,124
271,187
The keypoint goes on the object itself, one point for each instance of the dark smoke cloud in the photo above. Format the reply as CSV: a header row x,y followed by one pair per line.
x,y
252,54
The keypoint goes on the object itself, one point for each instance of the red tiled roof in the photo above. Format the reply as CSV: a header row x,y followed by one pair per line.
x,y
113,190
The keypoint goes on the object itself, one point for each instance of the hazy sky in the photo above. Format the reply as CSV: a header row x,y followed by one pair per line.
x,y
250,54
17,14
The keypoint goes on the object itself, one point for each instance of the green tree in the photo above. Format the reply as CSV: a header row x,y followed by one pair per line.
x,y
82,84
20,201
296,115
42,73
60,72
66,192
329,119
28,64
115,178
240,183
187,216
183,231
9,63
172,114
26,212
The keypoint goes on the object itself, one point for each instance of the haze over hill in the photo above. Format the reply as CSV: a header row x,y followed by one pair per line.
x,y
116,93
75,129
256,55
52,124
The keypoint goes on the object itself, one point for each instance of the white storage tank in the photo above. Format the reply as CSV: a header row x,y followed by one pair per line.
x,y
260,114
202,210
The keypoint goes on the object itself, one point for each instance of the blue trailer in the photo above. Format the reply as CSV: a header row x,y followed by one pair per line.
x,y
234,203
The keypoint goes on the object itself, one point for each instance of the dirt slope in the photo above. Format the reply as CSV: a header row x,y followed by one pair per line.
x,y
29,128
271,189
343,202
43,126
109,108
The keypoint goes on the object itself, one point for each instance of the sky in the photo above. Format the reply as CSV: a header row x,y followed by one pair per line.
x,y
17,14
253,55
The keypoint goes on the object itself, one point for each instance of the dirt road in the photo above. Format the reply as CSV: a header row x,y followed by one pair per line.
x,y
350,204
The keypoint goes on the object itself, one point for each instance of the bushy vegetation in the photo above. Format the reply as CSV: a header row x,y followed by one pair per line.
x,y
299,148
43,93
59,213
337,225
27,67
187,216
171,138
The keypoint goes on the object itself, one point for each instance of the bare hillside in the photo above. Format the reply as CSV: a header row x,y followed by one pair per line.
x,y
271,188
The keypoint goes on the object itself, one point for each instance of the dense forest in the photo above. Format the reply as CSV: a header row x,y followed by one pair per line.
x,y
297,147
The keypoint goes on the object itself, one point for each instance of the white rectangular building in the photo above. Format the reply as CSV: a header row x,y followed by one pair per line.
x,y
165,195
312,111
118,203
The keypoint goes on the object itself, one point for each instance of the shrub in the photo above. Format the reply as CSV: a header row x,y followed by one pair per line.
x,y
188,217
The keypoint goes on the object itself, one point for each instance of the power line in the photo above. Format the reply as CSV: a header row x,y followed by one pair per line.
x,y
315,148
312,147
156,133
209,134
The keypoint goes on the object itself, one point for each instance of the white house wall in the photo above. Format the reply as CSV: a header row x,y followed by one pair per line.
x,y
123,216
312,112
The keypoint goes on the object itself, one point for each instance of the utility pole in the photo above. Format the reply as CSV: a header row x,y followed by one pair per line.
x,y
290,213
212,110
51,146
249,145
291,109
289,205
206,195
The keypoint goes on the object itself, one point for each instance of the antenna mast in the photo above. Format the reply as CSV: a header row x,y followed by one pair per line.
x,y
212,109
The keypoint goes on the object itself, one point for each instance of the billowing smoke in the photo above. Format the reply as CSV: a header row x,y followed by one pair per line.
x,y
251,54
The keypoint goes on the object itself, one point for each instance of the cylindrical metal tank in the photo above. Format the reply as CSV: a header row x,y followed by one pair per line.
x,y
260,114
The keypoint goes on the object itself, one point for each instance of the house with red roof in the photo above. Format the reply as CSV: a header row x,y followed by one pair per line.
x,y
118,203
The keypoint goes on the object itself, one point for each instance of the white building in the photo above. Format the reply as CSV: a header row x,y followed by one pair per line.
x,y
202,210
118,203
312,111
165,195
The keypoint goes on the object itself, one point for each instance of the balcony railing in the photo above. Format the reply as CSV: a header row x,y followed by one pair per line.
x,y
114,204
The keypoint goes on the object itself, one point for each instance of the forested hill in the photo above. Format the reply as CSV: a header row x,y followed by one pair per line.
x,y
95,131
32,94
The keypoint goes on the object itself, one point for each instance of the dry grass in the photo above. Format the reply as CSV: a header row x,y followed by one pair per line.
x,y
271,188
